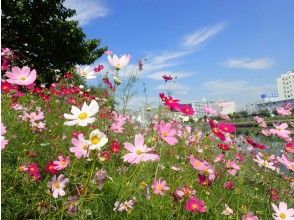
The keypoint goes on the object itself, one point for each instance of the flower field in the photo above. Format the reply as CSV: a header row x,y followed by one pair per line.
x,y
67,153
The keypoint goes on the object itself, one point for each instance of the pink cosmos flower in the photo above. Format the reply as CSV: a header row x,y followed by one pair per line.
x,y
3,141
61,163
35,116
194,204
232,167
139,152
280,131
219,158
249,216
119,121
159,186
22,76
260,121
167,133
285,110
57,185
227,128
266,132
80,146
108,52
198,164
286,161
282,212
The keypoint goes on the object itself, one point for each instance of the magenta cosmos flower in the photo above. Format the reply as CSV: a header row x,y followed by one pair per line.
x,y
22,76
194,204
167,133
226,127
139,152
159,186
61,163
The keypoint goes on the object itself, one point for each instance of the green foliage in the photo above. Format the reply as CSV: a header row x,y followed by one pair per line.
x,y
43,37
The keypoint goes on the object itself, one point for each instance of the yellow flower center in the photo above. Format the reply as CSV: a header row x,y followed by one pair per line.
x,y
194,206
85,147
139,152
283,216
83,115
164,133
159,187
95,140
23,78
56,185
197,163
292,167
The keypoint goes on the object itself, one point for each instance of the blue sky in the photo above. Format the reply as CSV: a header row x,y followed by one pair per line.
x,y
221,50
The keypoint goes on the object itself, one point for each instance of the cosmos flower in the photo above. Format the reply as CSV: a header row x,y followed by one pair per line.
x,y
167,78
159,186
97,140
227,211
61,163
86,72
139,152
80,146
82,117
4,142
124,206
265,163
282,212
194,204
286,109
119,63
281,131
22,76
289,147
286,161
249,216
57,185
167,132
226,128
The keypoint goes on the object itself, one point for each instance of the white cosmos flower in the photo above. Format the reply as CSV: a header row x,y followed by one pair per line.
x,y
82,117
97,139
119,63
282,212
57,185
265,163
86,72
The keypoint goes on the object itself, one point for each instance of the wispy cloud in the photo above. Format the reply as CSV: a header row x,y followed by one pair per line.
x,y
248,63
202,35
87,10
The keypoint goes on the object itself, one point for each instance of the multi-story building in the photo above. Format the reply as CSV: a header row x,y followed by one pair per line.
x,y
285,84
199,107
223,107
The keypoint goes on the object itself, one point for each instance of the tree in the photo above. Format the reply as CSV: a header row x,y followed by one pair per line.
x,y
43,38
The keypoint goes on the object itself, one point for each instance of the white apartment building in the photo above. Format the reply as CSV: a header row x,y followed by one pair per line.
x,y
227,107
285,84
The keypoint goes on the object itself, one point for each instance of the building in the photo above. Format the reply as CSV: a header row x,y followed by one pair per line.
x,y
285,84
226,107
272,105
223,107
199,107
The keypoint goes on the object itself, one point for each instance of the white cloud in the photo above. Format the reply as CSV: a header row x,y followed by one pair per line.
x,y
87,10
202,35
247,63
